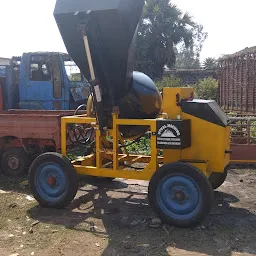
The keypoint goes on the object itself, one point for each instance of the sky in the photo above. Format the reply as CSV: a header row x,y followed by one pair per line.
x,y
229,23
29,25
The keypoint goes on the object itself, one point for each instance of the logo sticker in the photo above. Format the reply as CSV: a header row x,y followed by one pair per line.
x,y
168,135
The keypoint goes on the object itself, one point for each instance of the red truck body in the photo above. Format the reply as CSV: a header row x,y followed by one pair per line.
x,y
27,127
24,134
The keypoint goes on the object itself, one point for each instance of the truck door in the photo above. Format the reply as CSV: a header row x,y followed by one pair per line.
x,y
77,87
58,84
44,83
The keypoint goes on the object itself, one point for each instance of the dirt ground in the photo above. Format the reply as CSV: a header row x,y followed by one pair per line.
x,y
112,218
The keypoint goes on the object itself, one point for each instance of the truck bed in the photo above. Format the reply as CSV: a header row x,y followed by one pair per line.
x,y
30,124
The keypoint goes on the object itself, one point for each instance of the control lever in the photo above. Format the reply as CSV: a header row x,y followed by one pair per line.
x,y
94,86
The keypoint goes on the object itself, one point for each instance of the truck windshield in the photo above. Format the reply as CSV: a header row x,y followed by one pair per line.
x,y
2,70
73,71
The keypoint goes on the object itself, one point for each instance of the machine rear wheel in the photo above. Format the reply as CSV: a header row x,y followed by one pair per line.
x,y
217,179
180,194
53,180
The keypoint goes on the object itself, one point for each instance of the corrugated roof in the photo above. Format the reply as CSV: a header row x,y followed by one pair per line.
x,y
2,58
240,53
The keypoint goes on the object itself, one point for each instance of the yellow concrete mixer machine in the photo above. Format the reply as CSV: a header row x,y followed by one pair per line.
x,y
189,138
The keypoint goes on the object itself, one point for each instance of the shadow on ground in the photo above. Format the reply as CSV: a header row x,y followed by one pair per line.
x,y
120,214
19,185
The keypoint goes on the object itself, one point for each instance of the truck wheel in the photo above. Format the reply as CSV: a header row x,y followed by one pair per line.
x,y
180,194
1,156
53,180
217,179
15,162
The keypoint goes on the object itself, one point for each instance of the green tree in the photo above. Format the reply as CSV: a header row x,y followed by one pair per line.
x,y
189,57
161,29
168,81
207,89
186,58
210,63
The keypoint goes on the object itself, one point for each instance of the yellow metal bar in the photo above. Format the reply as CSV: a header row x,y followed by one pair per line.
x,y
123,157
79,120
142,159
113,155
145,174
135,122
154,151
63,137
107,164
84,160
89,57
98,149
136,159
115,142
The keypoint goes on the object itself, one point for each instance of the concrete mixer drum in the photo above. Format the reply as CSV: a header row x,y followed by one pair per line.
x,y
111,30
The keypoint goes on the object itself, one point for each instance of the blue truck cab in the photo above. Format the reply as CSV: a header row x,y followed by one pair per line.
x,y
3,70
43,81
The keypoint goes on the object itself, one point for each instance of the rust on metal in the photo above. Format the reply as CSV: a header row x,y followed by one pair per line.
x,y
242,152
243,139
57,104
51,181
46,125
237,82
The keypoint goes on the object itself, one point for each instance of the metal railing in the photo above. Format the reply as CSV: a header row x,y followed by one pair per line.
x,y
243,130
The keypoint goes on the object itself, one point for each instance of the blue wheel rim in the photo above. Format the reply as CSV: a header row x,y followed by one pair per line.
x,y
179,197
51,182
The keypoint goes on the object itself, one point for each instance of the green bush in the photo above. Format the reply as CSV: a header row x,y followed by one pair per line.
x,y
207,89
168,81
141,147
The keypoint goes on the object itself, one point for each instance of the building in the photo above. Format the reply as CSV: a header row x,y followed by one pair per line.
x,y
4,61
237,82
191,76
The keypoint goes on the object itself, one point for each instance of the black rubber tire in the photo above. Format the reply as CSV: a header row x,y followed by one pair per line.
x,y
217,179
188,171
70,174
1,156
22,165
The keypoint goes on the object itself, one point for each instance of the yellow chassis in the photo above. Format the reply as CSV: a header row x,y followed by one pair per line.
x,y
93,165
207,152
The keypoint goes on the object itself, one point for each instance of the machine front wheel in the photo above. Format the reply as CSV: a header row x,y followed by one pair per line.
x,y
180,194
53,180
